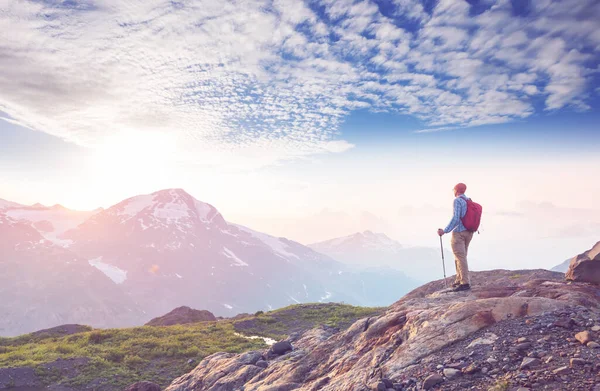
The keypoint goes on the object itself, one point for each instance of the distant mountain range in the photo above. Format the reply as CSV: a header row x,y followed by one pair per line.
x,y
563,267
151,253
378,250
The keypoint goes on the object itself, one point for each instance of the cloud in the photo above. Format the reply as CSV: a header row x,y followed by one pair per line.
x,y
260,81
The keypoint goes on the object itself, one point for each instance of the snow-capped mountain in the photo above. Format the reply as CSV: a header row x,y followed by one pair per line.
x,y
371,249
360,241
164,250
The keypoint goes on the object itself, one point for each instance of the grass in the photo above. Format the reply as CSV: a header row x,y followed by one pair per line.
x,y
281,323
115,358
120,357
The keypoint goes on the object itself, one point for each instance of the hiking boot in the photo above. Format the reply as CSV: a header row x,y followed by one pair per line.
x,y
455,284
462,287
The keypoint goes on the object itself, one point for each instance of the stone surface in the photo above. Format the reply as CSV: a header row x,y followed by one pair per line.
x,y
561,371
262,363
281,348
432,380
530,362
584,337
585,267
577,362
451,373
427,328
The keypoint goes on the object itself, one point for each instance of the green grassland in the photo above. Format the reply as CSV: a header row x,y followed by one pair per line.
x,y
111,359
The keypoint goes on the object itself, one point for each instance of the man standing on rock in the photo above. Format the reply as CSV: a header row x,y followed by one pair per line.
x,y
461,234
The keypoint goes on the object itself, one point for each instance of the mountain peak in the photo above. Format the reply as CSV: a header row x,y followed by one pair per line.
x,y
163,208
365,239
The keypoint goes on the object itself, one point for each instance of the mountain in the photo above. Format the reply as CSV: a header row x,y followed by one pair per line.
x,y
523,329
563,267
164,250
43,284
4,204
49,221
378,250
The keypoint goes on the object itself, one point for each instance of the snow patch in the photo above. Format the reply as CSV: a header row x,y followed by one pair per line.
x,y
135,205
178,276
268,341
293,298
228,306
326,297
274,243
114,273
229,254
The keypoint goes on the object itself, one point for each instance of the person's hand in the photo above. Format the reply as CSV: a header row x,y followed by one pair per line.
x,y
441,232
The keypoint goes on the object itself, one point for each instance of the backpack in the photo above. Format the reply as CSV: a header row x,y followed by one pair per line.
x,y
472,218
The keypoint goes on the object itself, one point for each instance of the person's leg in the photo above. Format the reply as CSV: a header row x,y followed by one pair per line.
x,y
468,236
458,248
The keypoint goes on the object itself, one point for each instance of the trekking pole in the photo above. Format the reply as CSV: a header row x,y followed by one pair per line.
x,y
443,263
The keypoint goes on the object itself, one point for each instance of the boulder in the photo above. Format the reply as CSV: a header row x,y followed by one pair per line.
x,y
281,348
432,380
143,386
182,315
585,267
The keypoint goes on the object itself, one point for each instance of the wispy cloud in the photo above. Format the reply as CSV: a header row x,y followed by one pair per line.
x,y
270,80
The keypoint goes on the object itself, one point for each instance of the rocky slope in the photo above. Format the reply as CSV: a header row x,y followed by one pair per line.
x,y
513,329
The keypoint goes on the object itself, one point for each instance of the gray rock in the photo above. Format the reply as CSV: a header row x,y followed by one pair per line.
x,y
530,362
451,373
561,371
262,364
281,348
576,362
432,380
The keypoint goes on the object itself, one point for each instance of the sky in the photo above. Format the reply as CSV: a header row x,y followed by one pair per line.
x,y
314,119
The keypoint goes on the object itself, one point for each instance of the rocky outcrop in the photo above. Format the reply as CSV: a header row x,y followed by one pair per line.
x,y
585,267
182,315
399,349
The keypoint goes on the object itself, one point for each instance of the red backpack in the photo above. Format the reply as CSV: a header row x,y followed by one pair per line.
x,y
472,218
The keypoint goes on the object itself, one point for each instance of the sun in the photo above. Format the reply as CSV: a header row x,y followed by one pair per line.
x,y
132,158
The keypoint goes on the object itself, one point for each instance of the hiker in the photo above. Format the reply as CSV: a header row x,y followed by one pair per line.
x,y
461,235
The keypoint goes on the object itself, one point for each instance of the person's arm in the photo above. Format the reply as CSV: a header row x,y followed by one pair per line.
x,y
455,218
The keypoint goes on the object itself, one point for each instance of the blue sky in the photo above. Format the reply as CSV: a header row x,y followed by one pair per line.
x,y
301,106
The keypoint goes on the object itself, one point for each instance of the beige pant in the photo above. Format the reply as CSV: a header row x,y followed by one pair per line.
x,y
460,246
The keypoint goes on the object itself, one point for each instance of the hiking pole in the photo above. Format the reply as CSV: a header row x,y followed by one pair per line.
x,y
443,263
